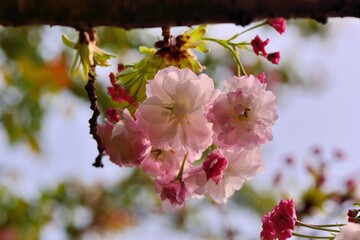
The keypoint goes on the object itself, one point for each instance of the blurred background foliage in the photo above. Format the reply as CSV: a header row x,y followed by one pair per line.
x,y
33,70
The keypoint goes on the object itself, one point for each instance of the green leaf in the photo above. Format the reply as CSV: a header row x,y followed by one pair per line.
x,y
203,48
75,65
197,33
68,42
147,51
85,71
101,57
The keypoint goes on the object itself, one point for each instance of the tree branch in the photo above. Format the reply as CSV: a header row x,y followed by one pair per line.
x,y
91,91
154,13
85,36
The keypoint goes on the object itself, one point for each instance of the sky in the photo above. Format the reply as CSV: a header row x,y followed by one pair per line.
x,y
328,116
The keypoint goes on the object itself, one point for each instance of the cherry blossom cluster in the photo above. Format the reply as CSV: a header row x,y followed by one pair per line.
x,y
193,139
281,221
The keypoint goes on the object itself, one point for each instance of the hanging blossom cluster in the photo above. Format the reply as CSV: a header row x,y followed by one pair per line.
x,y
280,224
193,139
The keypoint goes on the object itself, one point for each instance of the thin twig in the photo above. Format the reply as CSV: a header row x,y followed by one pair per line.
x,y
91,91
86,36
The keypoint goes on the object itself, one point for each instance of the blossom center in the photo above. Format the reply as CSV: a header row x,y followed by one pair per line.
x,y
238,101
242,112
178,113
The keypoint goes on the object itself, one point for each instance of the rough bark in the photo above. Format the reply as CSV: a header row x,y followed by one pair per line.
x,y
154,13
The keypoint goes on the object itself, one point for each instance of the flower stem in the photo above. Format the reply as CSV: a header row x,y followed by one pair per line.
x,y
225,44
311,237
179,176
240,68
329,225
298,223
249,29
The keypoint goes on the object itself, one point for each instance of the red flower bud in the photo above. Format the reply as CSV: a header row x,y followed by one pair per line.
x,y
259,45
279,24
274,57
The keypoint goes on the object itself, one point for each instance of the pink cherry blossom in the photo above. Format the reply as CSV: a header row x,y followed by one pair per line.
x,y
243,114
124,142
173,116
280,222
259,45
164,165
175,191
261,76
284,218
268,231
104,131
279,24
349,232
242,166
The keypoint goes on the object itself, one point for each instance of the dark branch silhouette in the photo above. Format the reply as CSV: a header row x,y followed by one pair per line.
x,y
155,13
85,36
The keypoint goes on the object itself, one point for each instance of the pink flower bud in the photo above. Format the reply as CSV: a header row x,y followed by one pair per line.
x,y
120,67
259,45
279,24
113,115
352,213
174,191
119,93
261,77
274,57
214,167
